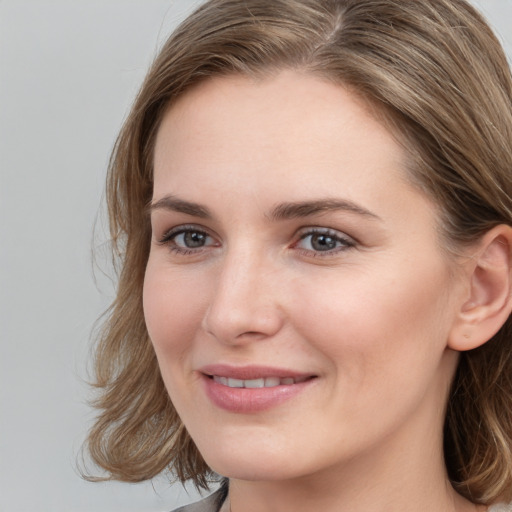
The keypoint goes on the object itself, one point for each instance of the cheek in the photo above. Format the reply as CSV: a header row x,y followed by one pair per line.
x,y
387,322
173,311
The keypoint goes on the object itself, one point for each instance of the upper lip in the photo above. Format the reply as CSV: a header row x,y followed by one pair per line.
x,y
250,372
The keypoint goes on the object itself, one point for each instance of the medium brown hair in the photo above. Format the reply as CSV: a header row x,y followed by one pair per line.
x,y
438,75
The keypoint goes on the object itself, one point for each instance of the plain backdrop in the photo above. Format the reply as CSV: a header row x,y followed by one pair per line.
x,y
69,70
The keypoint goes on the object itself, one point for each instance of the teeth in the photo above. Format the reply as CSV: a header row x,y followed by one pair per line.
x,y
235,383
267,382
271,382
254,383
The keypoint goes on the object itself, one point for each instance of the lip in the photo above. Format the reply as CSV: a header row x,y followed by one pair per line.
x,y
251,400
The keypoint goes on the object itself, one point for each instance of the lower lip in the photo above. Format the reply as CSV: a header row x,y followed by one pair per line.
x,y
251,400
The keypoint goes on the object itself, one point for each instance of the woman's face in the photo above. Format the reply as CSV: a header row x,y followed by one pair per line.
x,y
296,293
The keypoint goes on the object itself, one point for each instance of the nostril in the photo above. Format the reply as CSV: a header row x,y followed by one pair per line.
x,y
243,320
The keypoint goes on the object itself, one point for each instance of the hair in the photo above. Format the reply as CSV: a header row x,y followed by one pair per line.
x,y
437,74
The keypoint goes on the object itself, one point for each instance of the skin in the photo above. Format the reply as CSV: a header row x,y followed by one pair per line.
x,y
370,318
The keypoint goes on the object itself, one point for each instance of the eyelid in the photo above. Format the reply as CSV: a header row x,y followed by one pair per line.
x,y
169,236
175,230
348,241
309,230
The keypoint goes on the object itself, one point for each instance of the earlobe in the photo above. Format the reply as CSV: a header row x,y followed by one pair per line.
x,y
489,304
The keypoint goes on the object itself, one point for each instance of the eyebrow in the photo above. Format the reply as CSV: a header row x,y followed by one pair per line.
x,y
300,209
175,204
283,211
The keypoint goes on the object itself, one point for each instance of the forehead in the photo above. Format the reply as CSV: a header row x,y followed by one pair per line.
x,y
290,121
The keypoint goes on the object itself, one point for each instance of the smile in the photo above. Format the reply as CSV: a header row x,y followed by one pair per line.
x,y
263,382
252,389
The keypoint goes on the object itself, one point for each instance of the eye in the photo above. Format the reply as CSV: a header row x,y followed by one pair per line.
x,y
191,239
187,240
322,240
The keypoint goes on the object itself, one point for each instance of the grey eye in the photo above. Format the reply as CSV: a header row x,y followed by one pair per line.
x,y
320,242
324,241
192,239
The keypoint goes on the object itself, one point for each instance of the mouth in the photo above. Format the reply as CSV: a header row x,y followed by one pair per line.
x,y
262,382
252,389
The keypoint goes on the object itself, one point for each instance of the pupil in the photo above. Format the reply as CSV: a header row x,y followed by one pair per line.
x,y
194,239
323,242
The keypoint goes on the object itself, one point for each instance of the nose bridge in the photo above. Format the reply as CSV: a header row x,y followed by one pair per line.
x,y
245,303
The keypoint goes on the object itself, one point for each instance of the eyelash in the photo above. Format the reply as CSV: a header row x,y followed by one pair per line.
x,y
343,242
169,239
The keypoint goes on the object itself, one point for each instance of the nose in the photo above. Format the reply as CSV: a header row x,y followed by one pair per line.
x,y
245,304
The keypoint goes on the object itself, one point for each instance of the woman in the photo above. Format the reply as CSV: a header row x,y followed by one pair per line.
x,y
311,206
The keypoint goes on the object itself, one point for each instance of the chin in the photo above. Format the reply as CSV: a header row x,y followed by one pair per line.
x,y
248,462
253,471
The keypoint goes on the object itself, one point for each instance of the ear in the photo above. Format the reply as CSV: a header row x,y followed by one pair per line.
x,y
489,304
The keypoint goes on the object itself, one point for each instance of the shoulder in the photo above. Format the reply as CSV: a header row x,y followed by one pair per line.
x,y
211,503
500,507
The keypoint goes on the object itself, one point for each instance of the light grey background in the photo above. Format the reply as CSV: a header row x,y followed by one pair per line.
x,y
68,72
